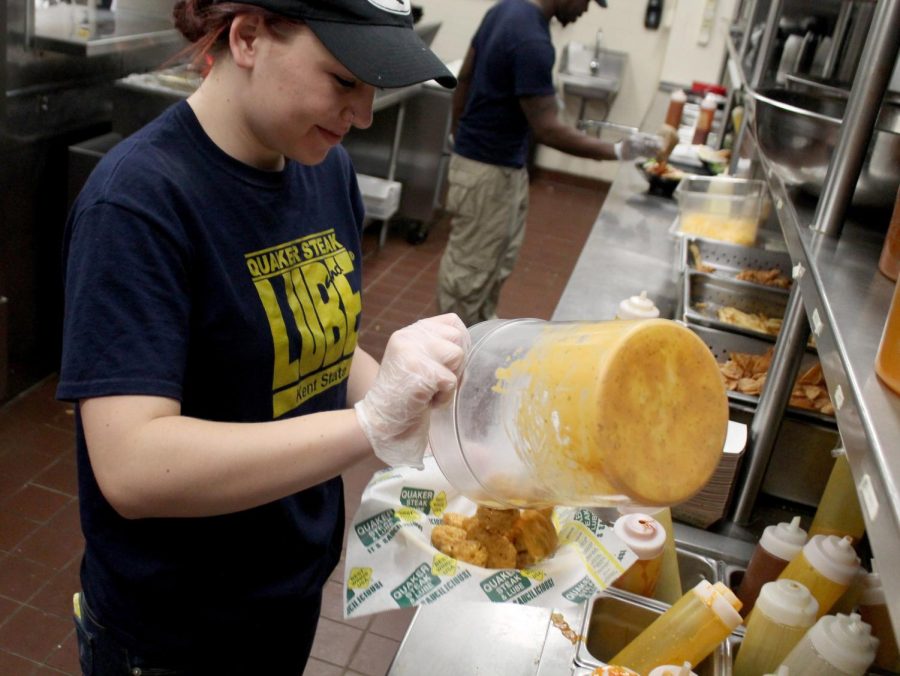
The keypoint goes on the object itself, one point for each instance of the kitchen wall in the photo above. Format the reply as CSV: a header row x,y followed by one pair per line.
x,y
671,53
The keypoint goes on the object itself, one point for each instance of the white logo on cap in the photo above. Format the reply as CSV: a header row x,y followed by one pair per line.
x,y
392,6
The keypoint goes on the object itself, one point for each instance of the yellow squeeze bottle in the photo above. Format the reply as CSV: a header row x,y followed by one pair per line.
x,y
668,586
839,512
826,566
646,537
687,632
784,611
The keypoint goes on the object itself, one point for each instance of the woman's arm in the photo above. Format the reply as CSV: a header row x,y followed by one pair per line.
x,y
150,461
363,370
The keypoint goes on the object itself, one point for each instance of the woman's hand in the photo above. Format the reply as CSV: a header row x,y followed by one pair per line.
x,y
420,369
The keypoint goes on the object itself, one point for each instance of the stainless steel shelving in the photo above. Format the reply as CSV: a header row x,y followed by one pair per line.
x,y
846,300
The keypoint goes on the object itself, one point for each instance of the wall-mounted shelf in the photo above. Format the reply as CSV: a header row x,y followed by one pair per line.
x,y
80,31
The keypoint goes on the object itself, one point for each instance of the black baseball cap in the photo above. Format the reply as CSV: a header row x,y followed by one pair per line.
x,y
373,39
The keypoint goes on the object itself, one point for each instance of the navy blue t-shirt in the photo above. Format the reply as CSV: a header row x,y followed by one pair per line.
x,y
193,276
513,58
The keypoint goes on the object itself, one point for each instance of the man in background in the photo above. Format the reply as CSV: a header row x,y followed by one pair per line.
x,y
505,92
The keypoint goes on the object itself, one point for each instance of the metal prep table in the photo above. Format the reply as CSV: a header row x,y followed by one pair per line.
x,y
628,250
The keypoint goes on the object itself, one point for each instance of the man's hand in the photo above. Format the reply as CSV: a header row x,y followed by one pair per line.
x,y
639,145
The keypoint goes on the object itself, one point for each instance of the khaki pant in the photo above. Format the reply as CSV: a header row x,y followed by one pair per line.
x,y
489,204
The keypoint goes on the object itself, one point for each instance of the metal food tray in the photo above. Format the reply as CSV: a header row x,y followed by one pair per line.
x,y
729,260
721,343
705,294
614,618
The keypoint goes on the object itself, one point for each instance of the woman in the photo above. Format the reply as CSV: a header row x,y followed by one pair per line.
x,y
212,309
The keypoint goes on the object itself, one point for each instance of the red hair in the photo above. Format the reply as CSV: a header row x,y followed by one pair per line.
x,y
206,25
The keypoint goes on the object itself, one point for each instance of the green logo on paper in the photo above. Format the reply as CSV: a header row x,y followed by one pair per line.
x,y
417,498
582,591
590,520
417,585
504,585
375,528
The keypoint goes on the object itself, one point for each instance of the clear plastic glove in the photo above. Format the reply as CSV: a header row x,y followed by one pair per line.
x,y
420,369
639,145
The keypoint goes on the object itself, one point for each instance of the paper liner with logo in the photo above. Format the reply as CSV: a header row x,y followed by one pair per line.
x,y
392,564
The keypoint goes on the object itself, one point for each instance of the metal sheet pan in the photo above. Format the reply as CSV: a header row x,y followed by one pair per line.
x,y
721,343
729,260
704,295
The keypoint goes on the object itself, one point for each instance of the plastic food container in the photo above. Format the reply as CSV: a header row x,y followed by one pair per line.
x,y
720,208
582,413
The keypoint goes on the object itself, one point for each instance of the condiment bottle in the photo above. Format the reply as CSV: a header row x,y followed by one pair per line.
x,y
887,361
677,99
673,670
784,611
705,119
873,611
826,566
687,632
637,307
646,537
668,587
889,262
839,512
837,645
777,547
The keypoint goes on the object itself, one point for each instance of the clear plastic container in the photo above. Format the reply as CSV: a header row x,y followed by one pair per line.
x,y
687,632
887,359
646,537
785,610
668,587
836,645
839,512
826,566
873,611
705,119
677,99
582,414
720,208
777,547
637,307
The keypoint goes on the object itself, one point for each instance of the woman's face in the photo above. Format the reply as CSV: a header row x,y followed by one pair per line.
x,y
301,101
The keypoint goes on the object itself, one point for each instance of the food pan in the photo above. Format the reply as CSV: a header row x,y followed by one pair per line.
x,y
602,631
614,618
704,295
722,343
729,260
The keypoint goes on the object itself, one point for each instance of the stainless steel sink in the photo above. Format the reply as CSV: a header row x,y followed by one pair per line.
x,y
591,73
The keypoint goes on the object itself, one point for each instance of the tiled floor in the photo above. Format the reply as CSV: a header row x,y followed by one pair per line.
x,y
40,538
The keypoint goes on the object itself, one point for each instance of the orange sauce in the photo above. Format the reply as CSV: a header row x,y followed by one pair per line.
x,y
887,363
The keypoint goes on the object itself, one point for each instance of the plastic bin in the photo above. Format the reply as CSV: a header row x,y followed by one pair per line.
x,y
380,196
720,208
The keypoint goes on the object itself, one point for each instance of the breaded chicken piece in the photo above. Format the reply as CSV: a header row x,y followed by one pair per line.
x,y
469,551
534,536
499,521
454,519
454,542
500,550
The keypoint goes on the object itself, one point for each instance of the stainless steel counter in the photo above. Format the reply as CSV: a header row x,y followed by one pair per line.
x,y
628,250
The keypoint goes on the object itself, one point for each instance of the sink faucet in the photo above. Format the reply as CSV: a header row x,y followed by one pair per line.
x,y
595,62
